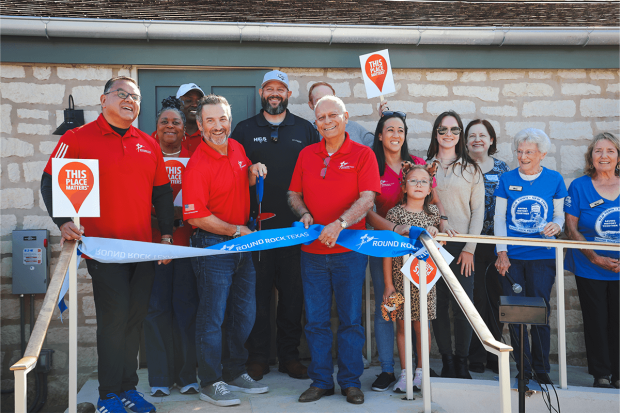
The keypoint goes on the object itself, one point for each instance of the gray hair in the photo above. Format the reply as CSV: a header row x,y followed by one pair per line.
x,y
334,99
213,100
533,135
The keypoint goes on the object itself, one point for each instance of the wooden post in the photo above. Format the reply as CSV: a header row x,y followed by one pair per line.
x,y
73,317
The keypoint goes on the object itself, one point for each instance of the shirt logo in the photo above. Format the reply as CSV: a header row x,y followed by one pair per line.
x,y
345,165
139,148
62,150
364,240
189,207
260,139
568,201
608,226
295,140
241,164
386,183
529,214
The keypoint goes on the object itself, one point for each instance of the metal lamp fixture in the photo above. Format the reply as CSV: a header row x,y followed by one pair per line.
x,y
73,118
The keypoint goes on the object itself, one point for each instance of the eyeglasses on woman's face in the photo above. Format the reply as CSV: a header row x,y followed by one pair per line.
x,y
442,130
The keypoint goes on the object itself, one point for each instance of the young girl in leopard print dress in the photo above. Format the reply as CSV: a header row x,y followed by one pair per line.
x,y
415,210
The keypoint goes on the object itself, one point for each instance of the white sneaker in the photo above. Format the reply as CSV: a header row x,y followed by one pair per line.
x,y
417,380
160,391
219,395
246,384
366,362
190,389
401,384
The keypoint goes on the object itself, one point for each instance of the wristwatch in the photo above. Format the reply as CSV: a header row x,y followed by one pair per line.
x,y
237,232
445,218
343,223
168,240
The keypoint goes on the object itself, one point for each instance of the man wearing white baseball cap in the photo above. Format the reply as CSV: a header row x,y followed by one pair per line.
x,y
189,94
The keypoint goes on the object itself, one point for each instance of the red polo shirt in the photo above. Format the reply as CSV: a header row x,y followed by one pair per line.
x,y
129,167
191,142
217,184
352,169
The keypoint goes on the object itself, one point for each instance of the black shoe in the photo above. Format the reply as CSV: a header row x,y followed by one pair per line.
x,y
543,378
603,383
460,368
476,367
615,381
383,381
448,366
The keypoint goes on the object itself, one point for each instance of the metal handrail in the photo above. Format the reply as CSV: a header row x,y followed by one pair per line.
x,y
35,343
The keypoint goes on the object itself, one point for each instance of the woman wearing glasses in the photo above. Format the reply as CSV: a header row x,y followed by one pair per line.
x,y
391,150
460,187
530,204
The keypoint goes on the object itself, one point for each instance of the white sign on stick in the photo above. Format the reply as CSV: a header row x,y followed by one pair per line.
x,y
75,187
411,267
377,73
175,168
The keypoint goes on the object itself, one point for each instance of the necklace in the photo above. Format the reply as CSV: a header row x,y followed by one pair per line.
x,y
171,154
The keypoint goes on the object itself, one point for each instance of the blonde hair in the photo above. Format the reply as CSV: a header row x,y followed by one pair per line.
x,y
589,169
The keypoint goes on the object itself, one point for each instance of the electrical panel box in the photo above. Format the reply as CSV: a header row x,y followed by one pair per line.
x,y
523,310
31,259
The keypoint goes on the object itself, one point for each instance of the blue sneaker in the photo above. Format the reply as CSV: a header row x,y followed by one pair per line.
x,y
135,402
113,405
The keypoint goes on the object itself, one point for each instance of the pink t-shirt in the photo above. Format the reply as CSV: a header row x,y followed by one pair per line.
x,y
390,188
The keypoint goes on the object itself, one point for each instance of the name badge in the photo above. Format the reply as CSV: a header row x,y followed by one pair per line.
x,y
596,203
515,188
492,178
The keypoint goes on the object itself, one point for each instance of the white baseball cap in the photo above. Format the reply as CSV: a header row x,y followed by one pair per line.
x,y
183,89
275,75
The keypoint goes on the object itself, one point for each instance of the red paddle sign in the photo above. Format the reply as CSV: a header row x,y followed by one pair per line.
x,y
376,69
175,172
431,270
76,181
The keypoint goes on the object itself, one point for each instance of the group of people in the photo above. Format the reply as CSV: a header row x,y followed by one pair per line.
x,y
214,311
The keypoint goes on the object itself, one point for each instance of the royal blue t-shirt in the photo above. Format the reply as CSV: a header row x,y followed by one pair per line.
x,y
530,208
599,221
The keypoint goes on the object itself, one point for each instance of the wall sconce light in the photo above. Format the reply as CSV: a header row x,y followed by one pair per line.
x,y
73,118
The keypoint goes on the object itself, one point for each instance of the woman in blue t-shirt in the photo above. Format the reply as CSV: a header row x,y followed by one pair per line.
x,y
529,204
593,214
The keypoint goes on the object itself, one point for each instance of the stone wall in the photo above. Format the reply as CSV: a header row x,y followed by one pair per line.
x,y
569,105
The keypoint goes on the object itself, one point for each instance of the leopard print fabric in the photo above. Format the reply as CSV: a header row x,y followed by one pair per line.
x,y
399,215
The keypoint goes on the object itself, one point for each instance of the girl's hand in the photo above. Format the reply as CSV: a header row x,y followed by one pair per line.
x,y
387,292
402,230
432,230
466,259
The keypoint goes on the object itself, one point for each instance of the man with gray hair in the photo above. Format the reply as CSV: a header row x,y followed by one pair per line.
x,y
216,201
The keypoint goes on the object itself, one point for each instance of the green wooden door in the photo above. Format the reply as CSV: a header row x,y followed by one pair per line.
x,y
239,87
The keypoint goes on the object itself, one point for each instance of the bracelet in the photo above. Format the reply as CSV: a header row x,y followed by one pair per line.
x,y
302,215
168,240
394,229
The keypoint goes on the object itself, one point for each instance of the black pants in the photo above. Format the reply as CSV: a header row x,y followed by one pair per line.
x,y
599,306
487,290
441,325
121,293
280,267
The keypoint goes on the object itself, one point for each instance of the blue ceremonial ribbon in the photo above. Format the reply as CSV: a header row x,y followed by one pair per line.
x,y
62,306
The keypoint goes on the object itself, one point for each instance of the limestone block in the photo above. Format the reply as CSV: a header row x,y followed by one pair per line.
x,y
441,76
343,89
292,72
570,130
486,93
359,109
601,75
559,108
599,107
12,72
15,147
294,87
540,74
512,128
33,170
418,144
473,77
527,89
47,147
20,198
575,89
88,357
572,158
91,321
419,90
613,88
10,308
87,334
41,222
406,74
59,335
32,114
369,126
88,306
124,72
359,91
6,247
344,74
6,269
302,110
11,334
419,126
84,73
506,75
572,74
34,129
5,119
87,95
549,162
7,224
407,106
499,110
85,288
41,73
613,126
14,172
48,94
496,125
504,152
459,106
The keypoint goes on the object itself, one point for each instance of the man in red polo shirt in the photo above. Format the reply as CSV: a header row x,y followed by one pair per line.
x,y
216,200
347,173
189,94
132,173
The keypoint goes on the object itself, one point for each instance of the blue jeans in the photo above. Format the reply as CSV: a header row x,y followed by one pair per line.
x,y
170,325
384,330
343,275
537,278
227,287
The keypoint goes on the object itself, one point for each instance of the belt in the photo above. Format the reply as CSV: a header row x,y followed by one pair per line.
x,y
202,232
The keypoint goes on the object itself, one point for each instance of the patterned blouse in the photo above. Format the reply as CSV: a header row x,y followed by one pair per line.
x,y
491,179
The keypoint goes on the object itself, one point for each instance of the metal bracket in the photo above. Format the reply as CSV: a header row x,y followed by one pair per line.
x,y
241,27
46,23
420,34
588,39
504,38
332,28
146,28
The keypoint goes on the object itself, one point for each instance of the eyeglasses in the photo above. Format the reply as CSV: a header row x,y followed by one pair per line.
x,y
401,115
442,130
527,153
415,182
274,135
326,163
123,95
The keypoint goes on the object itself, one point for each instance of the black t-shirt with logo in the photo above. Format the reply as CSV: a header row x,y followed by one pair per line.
x,y
294,134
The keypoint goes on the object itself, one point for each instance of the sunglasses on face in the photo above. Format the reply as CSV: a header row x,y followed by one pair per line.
x,y
274,135
442,130
401,115
123,95
326,163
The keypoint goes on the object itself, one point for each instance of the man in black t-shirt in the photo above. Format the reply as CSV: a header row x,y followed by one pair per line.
x,y
275,137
